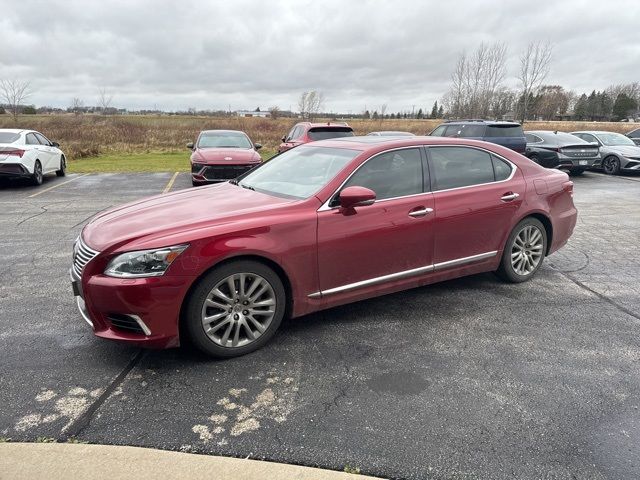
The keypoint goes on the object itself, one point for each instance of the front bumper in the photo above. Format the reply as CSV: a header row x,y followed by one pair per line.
x,y
141,311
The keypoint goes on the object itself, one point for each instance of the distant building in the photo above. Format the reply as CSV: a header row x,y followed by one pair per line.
x,y
251,113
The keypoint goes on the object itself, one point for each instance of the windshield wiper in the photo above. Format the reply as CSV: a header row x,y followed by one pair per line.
x,y
248,187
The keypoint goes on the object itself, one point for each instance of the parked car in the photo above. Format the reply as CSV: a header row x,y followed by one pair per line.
x,y
507,134
561,150
391,133
305,132
634,135
221,155
29,154
617,152
320,225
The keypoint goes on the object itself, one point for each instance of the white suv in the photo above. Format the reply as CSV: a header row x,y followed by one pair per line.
x,y
26,153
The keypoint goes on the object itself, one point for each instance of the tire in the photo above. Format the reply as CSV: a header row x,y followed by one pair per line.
x,y
195,184
611,165
516,269
37,176
229,320
63,167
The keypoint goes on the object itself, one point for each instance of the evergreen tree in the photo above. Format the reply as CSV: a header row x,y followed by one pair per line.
x,y
623,105
441,112
420,114
580,110
434,110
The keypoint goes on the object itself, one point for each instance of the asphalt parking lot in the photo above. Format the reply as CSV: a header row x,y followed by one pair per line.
x,y
471,378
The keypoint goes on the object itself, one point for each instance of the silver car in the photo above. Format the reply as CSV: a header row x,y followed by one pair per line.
x,y
617,151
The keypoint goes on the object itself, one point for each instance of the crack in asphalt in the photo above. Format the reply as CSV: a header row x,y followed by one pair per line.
x,y
83,421
599,295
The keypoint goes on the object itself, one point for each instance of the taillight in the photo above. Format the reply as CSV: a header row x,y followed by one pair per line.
x,y
17,152
568,187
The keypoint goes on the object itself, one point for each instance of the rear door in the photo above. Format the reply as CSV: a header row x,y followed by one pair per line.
x,y
477,196
392,237
52,160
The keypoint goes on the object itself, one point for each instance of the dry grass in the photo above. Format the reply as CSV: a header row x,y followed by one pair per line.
x,y
91,135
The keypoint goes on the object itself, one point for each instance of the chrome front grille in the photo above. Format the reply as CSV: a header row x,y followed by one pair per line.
x,y
82,255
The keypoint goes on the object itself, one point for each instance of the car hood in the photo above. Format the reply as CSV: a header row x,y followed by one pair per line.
x,y
231,156
624,150
175,213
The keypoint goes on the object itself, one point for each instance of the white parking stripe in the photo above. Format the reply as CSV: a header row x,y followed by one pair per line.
x,y
57,185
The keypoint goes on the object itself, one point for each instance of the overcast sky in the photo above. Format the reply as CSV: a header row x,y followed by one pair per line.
x,y
209,55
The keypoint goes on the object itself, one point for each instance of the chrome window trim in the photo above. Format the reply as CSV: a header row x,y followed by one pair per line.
x,y
325,206
405,274
495,182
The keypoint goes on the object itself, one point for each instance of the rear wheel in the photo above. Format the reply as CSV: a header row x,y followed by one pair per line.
x,y
235,309
524,251
611,165
63,167
37,176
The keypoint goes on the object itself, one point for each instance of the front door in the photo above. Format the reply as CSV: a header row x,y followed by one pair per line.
x,y
392,236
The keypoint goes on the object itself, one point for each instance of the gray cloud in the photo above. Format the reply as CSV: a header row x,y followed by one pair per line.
x,y
255,53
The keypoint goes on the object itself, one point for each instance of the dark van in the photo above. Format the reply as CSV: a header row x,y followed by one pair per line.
x,y
507,134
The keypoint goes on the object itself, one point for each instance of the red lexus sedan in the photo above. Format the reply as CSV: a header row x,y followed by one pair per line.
x,y
317,226
221,155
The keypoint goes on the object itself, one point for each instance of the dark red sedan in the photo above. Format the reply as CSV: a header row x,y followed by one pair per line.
x,y
306,132
317,226
221,155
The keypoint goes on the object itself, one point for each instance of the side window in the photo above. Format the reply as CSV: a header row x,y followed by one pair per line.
x,y
635,134
589,138
455,167
42,139
392,174
531,138
501,168
32,140
438,132
453,131
297,132
471,131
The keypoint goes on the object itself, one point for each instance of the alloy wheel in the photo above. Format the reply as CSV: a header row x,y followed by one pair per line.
x,y
238,310
609,165
526,251
37,173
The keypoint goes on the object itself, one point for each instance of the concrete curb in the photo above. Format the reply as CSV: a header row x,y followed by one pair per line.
x,y
64,461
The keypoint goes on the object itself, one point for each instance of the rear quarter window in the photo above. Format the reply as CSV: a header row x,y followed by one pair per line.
x,y
504,131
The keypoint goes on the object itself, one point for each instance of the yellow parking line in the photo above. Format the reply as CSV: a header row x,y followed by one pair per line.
x,y
170,184
57,185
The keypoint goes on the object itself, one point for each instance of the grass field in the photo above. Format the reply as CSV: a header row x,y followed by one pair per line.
x,y
139,162
134,143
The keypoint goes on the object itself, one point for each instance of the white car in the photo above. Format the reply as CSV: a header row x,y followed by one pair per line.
x,y
29,154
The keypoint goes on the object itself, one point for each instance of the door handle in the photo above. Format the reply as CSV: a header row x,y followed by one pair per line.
x,y
509,196
420,213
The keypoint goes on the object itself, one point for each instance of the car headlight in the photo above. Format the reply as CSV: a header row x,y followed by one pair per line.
x,y
143,263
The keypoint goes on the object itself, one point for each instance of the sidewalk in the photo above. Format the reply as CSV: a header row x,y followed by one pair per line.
x,y
64,461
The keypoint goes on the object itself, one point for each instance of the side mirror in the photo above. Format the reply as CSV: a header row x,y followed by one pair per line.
x,y
284,138
55,144
190,145
257,146
352,197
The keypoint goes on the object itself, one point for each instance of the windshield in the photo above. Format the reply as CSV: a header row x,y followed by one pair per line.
x,y
324,133
611,139
8,137
223,139
299,172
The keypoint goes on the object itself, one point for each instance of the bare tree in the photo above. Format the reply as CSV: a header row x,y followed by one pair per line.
x,y
475,80
310,104
14,93
534,68
383,111
274,112
104,99
76,105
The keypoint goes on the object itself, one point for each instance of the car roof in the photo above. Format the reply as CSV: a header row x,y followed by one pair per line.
x,y
14,130
222,131
392,132
593,132
480,122
325,124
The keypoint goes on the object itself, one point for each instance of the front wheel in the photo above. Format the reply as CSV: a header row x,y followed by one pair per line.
x,y
524,251
611,165
235,309
63,167
37,176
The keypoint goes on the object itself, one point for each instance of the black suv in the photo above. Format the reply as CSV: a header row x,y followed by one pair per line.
x,y
507,134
